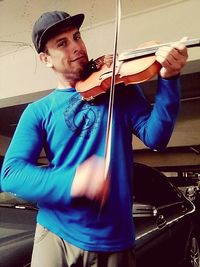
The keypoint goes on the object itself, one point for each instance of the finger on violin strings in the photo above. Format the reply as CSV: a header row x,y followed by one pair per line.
x,y
180,46
163,55
178,57
108,60
171,55
171,63
181,49
164,50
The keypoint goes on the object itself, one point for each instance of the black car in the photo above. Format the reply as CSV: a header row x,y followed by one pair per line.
x,y
166,235
17,227
163,218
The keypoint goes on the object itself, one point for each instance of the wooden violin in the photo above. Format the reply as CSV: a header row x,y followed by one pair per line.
x,y
133,66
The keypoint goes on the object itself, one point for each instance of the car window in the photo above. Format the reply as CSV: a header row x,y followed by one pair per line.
x,y
152,187
9,198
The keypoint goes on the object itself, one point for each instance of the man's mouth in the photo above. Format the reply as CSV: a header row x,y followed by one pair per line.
x,y
78,58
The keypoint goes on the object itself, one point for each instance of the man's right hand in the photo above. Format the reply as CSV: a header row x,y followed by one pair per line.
x,y
90,181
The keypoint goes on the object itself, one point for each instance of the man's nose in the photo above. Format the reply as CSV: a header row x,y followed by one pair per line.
x,y
75,46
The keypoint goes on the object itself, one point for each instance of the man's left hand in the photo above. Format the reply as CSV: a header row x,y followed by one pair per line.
x,y
172,58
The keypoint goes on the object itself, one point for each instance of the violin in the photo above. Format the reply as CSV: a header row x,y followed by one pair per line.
x,y
132,67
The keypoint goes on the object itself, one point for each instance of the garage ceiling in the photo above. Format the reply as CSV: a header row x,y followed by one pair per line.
x,y
17,16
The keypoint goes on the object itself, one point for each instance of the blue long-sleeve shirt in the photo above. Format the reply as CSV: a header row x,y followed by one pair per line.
x,y
71,130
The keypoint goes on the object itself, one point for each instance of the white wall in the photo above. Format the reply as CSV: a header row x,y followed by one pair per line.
x,y
22,73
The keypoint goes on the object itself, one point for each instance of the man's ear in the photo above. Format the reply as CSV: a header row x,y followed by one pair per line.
x,y
46,59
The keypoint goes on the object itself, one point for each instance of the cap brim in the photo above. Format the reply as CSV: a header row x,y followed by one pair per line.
x,y
51,31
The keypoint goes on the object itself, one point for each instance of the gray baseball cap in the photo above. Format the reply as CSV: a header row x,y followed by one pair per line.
x,y
49,23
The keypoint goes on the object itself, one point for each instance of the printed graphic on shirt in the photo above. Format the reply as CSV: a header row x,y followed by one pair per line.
x,y
81,117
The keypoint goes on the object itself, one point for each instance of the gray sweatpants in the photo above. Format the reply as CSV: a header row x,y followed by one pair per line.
x,y
49,250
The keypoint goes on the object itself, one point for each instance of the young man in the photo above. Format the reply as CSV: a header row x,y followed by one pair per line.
x,y
73,228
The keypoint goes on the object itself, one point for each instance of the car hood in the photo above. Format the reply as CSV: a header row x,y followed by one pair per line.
x,y
11,233
17,228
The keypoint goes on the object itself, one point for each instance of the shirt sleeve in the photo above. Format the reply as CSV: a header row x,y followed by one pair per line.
x,y
21,174
154,125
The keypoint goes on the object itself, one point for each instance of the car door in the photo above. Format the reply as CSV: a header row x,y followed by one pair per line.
x,y
157,207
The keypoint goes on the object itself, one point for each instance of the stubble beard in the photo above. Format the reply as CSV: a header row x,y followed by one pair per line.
x,y
80,72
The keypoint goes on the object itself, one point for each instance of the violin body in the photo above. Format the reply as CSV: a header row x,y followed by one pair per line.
x,y
99,82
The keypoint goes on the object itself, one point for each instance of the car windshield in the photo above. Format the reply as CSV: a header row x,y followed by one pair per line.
x,y
10,200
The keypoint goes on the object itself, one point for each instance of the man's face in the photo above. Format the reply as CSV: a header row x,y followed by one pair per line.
x,y
67,54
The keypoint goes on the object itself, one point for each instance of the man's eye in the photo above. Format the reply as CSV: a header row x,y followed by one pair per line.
x,y
62,43
77,37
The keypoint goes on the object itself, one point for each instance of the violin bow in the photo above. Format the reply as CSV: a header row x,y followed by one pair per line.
x,y
108,140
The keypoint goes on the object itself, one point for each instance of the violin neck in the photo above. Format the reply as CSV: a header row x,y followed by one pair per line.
x,y
151,50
